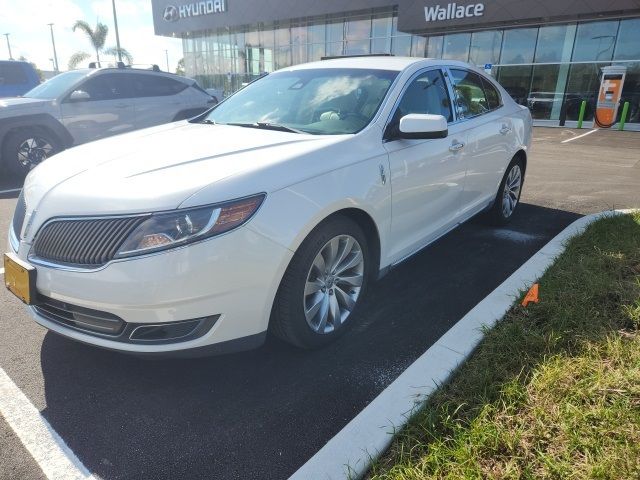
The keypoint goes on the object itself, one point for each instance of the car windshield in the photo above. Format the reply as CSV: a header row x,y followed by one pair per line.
x,y
55,86
327,101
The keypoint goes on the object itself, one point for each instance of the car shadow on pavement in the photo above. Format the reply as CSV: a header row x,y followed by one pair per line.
x,y
262,414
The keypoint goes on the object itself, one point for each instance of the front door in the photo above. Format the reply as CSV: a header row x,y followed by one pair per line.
x,y
427,176
103,107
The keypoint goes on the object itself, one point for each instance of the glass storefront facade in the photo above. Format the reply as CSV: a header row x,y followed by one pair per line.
x,y
550,68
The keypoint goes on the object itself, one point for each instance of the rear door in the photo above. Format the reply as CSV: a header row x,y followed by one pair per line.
x,y
479,108
105,110
158,98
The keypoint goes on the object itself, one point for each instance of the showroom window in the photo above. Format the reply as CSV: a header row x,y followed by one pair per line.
x,y
595,41
628,44
555,43
485,47
456,46
519,45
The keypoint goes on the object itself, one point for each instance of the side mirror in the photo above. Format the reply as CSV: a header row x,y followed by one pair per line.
x,y
423,126
79,96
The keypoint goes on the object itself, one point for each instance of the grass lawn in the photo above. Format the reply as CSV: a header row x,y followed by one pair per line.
x,y
553,391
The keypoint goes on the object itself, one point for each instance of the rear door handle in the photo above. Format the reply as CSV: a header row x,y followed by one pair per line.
x,y
505,129
456,146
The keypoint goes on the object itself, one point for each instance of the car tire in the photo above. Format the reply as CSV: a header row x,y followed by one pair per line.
x,y
508,196
23,149
323,285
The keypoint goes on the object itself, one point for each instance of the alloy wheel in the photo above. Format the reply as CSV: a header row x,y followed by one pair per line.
x,y
511,192
34,150
333,284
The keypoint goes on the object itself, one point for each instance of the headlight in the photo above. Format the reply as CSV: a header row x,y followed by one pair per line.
x,y
167,230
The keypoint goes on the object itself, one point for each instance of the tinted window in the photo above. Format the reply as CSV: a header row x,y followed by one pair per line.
x,y
519,45
426,94
470,96
109,86
156,85
485,47
628,46
555,43
12,74
456,46
595,41
493,97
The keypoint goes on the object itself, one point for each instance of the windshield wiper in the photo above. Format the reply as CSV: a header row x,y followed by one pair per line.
x,y
208,122
266,126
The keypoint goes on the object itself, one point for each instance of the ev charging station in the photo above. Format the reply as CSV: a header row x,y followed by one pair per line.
x,y
609,94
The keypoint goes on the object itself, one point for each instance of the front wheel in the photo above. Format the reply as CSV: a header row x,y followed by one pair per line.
x,y
22,150
323,285
508,196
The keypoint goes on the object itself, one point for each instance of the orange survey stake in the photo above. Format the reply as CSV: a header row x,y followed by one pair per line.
x,y
531,296
609,96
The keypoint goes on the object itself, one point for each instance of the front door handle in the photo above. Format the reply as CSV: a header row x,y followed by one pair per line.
x,y
456,146
505,129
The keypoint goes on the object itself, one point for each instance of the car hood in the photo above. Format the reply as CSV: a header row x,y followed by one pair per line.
x,y
159,168
9,105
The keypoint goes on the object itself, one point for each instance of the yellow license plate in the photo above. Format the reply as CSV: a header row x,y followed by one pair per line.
x,y
20,278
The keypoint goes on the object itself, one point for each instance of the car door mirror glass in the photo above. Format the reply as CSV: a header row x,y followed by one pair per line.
x,y
423,126
79,96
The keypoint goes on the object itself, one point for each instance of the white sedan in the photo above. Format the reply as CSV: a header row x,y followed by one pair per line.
x,y
272,212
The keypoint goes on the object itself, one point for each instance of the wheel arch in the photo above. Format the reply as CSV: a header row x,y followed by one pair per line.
x,y
41,121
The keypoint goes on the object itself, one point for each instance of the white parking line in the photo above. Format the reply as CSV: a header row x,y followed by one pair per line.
x,y
1,271
350,453
52,455
11,190
579,136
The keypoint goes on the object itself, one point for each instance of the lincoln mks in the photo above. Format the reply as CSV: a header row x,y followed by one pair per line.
x,y
271,212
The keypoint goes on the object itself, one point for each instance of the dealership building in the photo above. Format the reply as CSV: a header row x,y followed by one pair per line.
x,y
547,53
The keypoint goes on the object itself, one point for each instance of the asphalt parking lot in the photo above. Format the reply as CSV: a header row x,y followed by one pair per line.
x,y
262,414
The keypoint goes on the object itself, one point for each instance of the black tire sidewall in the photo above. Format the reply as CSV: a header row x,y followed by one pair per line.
x,y
14,139
288,320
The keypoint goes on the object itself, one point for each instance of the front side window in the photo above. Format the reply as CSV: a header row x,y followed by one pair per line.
x,y
326,101
426,94
109,86
470,97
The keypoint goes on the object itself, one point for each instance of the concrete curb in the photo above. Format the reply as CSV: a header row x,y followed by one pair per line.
x,y
350,453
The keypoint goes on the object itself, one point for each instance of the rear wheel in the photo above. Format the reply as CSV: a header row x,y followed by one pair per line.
x,y
22,150
508,196
323,285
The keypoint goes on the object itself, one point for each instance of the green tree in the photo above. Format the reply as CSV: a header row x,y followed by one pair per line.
x,y
97,37
180,67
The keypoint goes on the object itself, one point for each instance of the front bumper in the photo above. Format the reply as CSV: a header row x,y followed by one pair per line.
x,y
231,279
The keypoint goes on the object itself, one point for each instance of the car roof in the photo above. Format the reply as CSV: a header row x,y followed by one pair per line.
x,y
378,62
89,71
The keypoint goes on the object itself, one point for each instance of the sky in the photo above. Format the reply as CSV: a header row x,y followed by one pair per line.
x,y
26,22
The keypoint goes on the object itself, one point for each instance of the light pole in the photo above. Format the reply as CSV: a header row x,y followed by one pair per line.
x,y
115,23
8,46
166,53
55,54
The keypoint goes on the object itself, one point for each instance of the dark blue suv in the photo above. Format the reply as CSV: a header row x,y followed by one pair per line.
x,y
16,78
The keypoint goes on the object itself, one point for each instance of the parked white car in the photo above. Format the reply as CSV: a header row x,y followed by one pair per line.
x,y
272,212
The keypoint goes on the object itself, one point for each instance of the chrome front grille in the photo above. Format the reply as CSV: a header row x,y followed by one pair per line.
x,y
85,243
19,214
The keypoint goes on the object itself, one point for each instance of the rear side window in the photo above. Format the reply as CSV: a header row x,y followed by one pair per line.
x,y
12,74
156,86
470,99
493,97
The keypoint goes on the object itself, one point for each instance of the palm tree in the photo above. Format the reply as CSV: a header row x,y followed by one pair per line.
x,y
97,37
